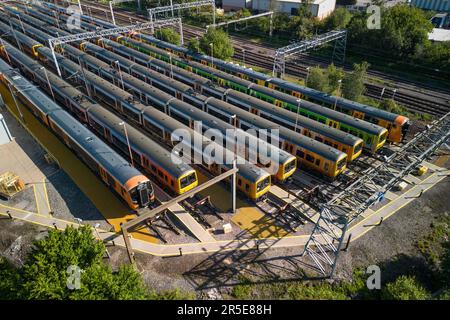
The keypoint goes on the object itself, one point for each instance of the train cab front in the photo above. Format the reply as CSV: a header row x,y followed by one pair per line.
x,y
142,193
187,182
399,129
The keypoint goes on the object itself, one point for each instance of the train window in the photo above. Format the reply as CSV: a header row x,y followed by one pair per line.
x,y
239,182
160,173
344,150
300,154
319,139
154,129
178,117
309,158
247,187
171,182
165,178
153,168
335,145
317,162
326,166
321,120
218,115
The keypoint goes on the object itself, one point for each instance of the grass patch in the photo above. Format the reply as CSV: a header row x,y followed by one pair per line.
x,y
432,246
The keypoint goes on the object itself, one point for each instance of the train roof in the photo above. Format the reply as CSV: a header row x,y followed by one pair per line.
x,y
330,99
186,74
344,118
28,90
247,170
321,128
239,69
103,154
297,138
141,142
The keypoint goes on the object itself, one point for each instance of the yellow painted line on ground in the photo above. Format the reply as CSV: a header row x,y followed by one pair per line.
x,y
36,199
44,181
18,209
394,211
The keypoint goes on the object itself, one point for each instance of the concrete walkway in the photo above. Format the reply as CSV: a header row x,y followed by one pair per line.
x,y
369,222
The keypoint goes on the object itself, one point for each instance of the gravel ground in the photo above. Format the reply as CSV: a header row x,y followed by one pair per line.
x,y
67,201
16,239
24,200
393,245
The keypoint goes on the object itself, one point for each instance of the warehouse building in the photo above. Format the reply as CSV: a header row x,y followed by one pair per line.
x,y
435,5
319,8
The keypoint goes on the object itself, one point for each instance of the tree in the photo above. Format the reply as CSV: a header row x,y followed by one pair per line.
x,y
391,106
317,79
403,30
45,273
353,82
334,76
168,35
404,288
222,47
194,45
338,19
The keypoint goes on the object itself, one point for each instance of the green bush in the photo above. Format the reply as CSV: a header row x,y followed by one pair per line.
x,y
404,288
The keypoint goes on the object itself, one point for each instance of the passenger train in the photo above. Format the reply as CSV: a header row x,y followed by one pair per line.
x,y
252,181
286,163
374,136
314,155
397,125
127,182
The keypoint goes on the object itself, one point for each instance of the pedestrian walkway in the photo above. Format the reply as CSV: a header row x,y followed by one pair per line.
x,y
359,229
309,213
191,224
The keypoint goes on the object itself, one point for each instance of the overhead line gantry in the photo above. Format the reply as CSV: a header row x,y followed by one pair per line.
x,y
281,54
327,237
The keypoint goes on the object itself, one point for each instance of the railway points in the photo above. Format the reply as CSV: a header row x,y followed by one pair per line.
x,y
143,99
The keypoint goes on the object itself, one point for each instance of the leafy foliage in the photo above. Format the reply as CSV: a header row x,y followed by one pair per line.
x,y
168,35
317,79
404,288
45,276
353,82
326,80
338,19
194,45
221,48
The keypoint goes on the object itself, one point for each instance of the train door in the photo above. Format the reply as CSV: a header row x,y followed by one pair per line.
x,y
358,114
104,175
296,94
254,111
279,103
384,124
143,195
333,124
108,135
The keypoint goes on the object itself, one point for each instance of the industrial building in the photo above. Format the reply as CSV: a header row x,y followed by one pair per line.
x,y
319,8
436,5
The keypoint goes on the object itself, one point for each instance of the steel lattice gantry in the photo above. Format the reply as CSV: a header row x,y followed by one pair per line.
x,y
327,237
53,42
152,13
226,23
340,36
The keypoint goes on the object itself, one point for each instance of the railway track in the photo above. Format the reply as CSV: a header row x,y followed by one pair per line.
x,y
412,102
